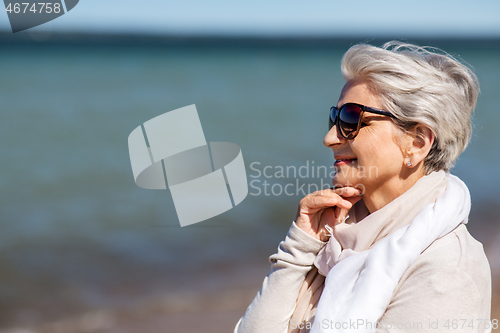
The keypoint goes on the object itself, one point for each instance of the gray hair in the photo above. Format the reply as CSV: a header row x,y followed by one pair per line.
x,y
420,85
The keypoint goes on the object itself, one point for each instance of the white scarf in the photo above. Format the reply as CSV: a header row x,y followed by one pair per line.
x,y
360,286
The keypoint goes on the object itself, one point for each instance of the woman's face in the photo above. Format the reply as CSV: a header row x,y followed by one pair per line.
x,y
372,161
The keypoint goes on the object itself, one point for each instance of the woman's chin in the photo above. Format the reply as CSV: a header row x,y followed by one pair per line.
x,y
342,182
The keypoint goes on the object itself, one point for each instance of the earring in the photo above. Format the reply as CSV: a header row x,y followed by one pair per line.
x,y
408,164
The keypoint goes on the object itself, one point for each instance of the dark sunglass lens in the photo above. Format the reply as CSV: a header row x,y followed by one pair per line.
x,y
331,120
349,118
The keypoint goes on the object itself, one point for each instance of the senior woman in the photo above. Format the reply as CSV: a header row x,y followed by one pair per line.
x,y
386,249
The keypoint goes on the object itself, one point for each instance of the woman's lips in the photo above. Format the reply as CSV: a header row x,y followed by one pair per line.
x,y
344,161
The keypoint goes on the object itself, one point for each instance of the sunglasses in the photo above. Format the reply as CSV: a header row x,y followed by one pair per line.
x,y
348,118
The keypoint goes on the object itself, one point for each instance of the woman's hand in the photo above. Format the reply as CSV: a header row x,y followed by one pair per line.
x,y
325,207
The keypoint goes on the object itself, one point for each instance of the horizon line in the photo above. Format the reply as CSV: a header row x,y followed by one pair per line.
x,y
142,37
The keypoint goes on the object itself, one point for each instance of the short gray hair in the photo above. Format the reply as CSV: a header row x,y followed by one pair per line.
x,y
420,85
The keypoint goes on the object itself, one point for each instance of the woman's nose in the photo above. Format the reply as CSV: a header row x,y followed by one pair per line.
x,y
333,137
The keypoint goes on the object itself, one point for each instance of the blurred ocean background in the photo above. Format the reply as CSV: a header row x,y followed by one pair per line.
x,y
83,249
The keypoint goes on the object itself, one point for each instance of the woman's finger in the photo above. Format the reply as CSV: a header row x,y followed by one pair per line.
x,y
340,215
317,202
347,191
325,207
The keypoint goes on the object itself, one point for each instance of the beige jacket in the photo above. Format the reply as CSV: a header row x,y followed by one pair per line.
x,y
447,289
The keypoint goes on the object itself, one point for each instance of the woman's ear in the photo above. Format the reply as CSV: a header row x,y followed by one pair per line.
x,y
421,143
